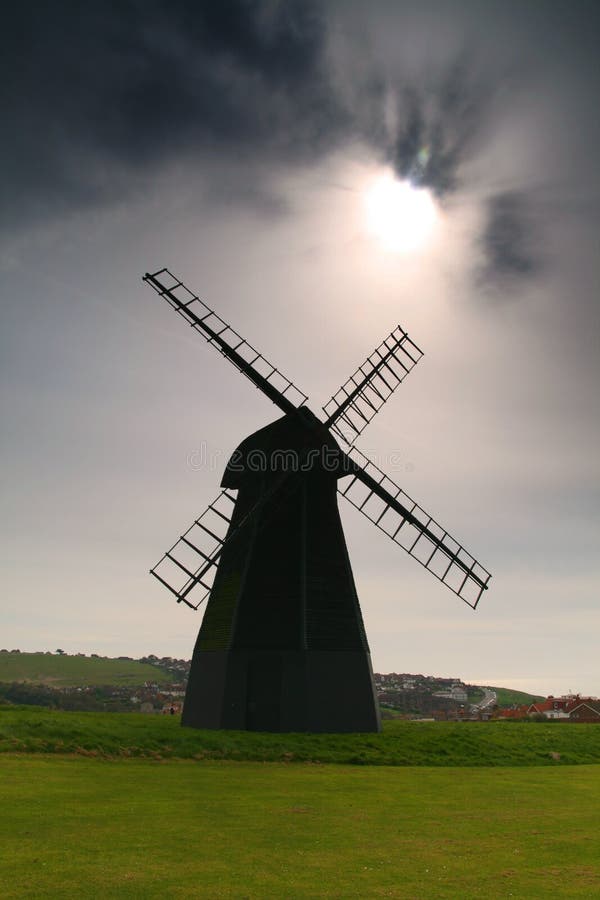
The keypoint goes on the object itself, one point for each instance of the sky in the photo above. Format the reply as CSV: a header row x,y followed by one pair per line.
x,y
239,144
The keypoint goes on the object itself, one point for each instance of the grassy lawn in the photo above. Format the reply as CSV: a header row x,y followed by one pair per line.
x,y
75,827
31,730
77,671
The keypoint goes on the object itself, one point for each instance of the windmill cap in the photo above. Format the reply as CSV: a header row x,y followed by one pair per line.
x,y
285,445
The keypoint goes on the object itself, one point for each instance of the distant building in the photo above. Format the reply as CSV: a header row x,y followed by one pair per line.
x,y
570,707
587,710
456,691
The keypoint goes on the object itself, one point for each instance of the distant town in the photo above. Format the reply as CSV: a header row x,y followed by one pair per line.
x,y
156,685
427,696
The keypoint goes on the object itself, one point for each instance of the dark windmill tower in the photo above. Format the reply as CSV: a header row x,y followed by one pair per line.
x,y
282,623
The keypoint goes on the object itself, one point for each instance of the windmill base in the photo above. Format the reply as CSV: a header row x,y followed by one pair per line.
x,y
250,690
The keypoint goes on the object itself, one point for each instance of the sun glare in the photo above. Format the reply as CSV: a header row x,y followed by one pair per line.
x,y
401,215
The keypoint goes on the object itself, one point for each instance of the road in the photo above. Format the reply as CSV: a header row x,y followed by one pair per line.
x,y
485,704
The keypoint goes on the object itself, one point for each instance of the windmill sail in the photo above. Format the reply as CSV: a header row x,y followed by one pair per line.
x,y
395,513
217,332
190,565
358,400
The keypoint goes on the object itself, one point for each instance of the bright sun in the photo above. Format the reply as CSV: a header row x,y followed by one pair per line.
x,y
401,215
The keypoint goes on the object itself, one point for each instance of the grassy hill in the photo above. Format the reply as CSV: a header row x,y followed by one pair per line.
x,y
64,671
507,697
77,671
35,730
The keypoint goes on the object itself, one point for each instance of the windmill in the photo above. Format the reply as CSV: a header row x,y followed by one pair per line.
x,y
282,645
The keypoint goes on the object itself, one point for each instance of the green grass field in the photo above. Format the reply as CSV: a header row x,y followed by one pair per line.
x,y
73,827
77,671
34,730
106,805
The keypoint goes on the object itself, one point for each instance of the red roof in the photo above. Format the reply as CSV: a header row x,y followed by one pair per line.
x,y
586,709
564,704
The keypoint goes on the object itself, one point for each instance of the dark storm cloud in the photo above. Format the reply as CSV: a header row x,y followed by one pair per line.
x,y
437,128
97,92
99,96
509,240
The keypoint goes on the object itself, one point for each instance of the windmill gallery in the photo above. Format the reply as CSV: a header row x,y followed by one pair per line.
x,y
282,617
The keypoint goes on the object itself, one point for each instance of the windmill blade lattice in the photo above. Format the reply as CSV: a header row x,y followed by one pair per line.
x,y
191,563
198,551
358,400
386,505
217,332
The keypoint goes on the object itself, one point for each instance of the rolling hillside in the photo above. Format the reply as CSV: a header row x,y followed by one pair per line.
x,y
64,671
507,697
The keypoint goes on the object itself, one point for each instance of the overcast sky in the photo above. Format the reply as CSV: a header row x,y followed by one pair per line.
x,y
235,143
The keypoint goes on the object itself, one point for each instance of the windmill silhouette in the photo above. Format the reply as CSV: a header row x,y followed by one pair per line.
x,y
282,646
